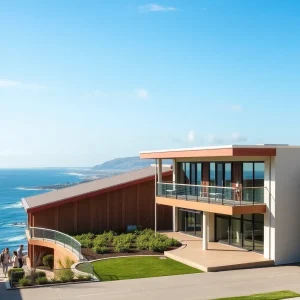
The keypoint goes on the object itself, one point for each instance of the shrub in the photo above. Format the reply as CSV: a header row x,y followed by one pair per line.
x,y
80,277
37,274
122,247
64,275
109,236
25,281
123,238
100,249
86,243
88,236
15,275
142,242
66,264
41,280
100,240
15,270
88,277
148,232
158,246
48,261
173,243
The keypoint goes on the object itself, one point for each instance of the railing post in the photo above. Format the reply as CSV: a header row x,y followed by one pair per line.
x,y
43,234
186,193
176,191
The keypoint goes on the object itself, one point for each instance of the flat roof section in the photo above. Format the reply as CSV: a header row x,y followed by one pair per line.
x,y
90,188
215,151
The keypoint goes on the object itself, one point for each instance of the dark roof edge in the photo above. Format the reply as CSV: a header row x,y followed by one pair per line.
x,y
92,193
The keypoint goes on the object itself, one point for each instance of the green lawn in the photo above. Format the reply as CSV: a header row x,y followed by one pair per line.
x,y
267,296
139,267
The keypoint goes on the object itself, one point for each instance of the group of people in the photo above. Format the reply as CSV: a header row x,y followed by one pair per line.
x,y
16,260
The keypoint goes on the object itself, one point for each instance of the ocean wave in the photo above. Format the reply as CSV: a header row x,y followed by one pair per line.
x,y
75,174
15,224
32,189
14,239
17,238
14,205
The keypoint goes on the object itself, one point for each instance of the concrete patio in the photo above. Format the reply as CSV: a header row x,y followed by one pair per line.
x,y
218,257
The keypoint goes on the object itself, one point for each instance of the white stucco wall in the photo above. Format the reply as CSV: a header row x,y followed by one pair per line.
x,y
287,206
269,217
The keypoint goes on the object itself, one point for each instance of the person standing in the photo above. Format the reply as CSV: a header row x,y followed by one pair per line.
x,y
14,260
6,260
20,256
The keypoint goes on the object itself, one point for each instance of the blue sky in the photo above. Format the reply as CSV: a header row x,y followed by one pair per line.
x,y
82,82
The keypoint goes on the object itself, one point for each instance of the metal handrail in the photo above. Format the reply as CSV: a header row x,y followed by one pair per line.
x,y
58,237
212,194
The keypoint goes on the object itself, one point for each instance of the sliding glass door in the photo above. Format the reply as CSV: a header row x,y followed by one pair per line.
x,y
246,231
190,222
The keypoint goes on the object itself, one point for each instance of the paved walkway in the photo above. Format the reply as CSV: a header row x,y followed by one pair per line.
x,y
218,257
182,287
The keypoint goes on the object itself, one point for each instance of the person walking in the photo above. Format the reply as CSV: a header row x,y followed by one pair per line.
x,y
20,256
5,258
14,260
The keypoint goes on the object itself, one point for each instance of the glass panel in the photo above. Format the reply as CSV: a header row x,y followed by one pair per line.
x,y
212,174
181,173
258,181
199,173
219,178
187,173
181,225
222,228
228,192
236,232
247,181
190,223
248,235
199,224
258,236
193,178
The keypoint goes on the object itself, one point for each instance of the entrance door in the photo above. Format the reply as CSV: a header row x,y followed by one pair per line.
x,y
222,229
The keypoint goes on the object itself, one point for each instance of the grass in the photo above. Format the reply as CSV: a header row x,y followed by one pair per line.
x,y
139,267
267,296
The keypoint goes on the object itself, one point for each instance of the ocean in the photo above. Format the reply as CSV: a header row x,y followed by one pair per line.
x,y
16,184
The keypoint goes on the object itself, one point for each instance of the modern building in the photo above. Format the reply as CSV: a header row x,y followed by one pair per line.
x,y
115,203
244,196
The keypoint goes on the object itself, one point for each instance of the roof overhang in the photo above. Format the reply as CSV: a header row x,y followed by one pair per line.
x,y
224,151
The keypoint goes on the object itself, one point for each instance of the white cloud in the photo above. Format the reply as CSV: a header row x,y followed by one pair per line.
x,y
233,138
6,83
191,136
142,93
236,108
156,8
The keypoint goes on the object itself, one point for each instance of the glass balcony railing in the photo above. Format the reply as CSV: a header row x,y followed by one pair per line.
x,y
212,194
56,237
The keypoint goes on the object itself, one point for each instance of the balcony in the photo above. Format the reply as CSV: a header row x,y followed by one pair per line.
x,y
49,237
226,200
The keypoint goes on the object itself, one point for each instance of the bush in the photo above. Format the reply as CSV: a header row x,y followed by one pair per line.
x,y
15,270
101,249
122,247
86,243
25,281
157,245
173,243
64,275
35,275
41,280
14,275
123,238
100,241
142,242
108,235
148,232
48,261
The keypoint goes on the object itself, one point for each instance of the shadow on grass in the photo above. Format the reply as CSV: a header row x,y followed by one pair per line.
x,y
106,277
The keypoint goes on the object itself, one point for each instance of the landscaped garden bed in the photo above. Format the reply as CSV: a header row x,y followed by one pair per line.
x,y
109,244
138,267
43,275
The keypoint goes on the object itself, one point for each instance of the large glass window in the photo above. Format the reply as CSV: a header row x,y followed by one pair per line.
x,y
253,182
245,231
189,173
212,174
190,222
